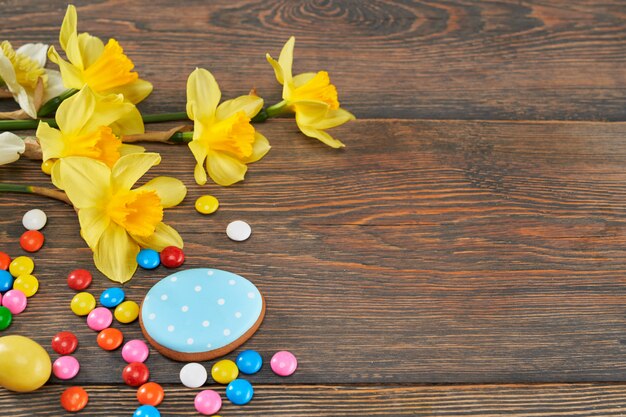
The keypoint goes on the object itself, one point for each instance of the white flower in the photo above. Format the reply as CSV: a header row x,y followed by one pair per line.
x,y
21,71
11,146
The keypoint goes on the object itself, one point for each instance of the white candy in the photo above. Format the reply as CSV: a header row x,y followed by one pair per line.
x,y
193,375
34,219
238,230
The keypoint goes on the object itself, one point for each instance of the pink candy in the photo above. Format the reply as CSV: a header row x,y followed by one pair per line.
x,y
15,301
208,402
99,319
66,367
284,363
135,351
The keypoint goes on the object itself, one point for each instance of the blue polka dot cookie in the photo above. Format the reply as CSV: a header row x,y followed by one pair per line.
x,y
201,314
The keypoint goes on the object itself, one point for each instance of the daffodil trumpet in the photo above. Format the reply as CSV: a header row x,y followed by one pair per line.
x,y
32,189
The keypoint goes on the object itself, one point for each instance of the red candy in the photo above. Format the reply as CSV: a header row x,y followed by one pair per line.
x,y
79,279
150,394
110,339
31,240
5,260
74,399
64,343
172,257
135,374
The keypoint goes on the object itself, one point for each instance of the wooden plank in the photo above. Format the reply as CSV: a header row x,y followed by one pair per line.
x,y
427,251
559,60
581,400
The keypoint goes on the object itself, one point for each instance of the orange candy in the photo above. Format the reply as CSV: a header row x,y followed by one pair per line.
x,y
150,393
74,399
31,240
5,261
110,339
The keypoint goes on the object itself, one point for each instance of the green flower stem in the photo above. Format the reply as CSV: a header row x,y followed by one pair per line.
x,y
30,124
31,189
164,117
181,137
271,111
53,104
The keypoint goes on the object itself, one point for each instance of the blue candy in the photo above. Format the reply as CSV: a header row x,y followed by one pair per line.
x,y
148,259
111,297
6,280
239,392
147,411
249,362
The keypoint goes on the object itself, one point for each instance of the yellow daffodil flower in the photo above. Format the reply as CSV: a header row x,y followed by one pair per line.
x,y
27,80
223,137
115,220
310,96
104,68
11,147
90,125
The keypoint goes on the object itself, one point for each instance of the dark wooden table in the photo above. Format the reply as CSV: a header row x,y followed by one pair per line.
x,y
464,255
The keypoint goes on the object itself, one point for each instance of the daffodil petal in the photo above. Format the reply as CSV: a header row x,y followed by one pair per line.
x,y
108,109
21,96
170,190
333,118
135,91
130,123
90,48
76,111
203,93
260,147
224,169
72,77
38,52
115,254
93,222
162,237
199,151
68,26
286,59
127,149
310,112
301,79
50,140
72,50
321,136
85,180
199,174
250,105
55,85
278,71
11,146
129,168
55,175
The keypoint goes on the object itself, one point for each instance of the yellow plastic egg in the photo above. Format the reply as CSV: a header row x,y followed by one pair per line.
x,y
224,371
83,303
28,284
207,204
24,364
127,312
22,265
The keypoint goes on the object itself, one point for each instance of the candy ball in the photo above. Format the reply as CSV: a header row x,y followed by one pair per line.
x,y
21,265
64,343
150,393
82,303
224,371
284,363
65,367
6,281
74,399
28,284
111,297
135,374
15,301
5,261
146,411
34,219
79,279
31,241
207,402
207,204
110,339
249,362
193,375
135,351
127,312
5,318
172,257
46,166
238,230
99,319
148,259
239,392
24,364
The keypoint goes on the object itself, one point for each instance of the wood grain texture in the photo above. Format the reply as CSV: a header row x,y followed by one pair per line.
x,y
404,59
555,400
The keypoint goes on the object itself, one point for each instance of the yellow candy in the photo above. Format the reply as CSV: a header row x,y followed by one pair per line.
x,y
224,371
127,312
24,364
46,166
207,204
28,284
22,265
83,303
